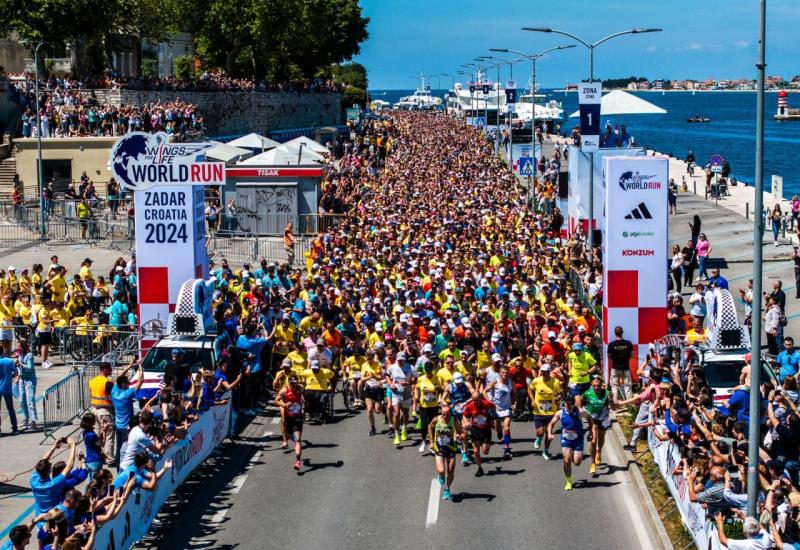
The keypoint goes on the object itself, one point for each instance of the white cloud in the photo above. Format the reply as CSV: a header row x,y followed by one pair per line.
x,y
651,49
696,47
742,44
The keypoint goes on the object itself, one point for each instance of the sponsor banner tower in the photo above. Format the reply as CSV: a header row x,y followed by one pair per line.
x,y
167,182
635,251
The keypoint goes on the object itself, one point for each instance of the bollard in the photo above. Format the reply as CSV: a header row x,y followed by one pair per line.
x,y
694,184
747,210
783,228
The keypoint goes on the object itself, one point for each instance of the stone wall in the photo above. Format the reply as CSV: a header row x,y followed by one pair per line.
x,y
245,112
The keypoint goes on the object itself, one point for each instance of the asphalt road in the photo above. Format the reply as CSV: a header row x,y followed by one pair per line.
x,y
356,491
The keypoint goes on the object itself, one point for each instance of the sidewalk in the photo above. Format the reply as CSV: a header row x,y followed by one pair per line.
x,y
20,453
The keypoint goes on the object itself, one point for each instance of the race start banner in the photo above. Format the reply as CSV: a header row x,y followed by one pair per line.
x,y
167,181
635,251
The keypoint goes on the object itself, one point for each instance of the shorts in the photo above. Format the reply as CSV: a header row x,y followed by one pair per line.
x,y
6,334
541,420
84,222
574,444
503,413
480,435
446,452
579,389
375,393
401,400
293,424
603,422
45,338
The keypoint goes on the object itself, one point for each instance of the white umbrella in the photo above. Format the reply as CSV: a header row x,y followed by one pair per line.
x,y
282,156
308,143
254,141
228,153
618,102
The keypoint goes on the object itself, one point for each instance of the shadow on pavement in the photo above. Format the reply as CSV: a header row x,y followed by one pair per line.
x,y
498,471
314,466
462,496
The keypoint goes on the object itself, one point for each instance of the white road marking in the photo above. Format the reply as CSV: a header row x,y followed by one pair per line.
x,y
634,512
433,504
238,483
276,420
219,516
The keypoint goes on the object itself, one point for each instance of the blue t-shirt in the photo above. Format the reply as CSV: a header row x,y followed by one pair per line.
x,y
252,345
788,362
123,406
7,369
739,404
297,317
118,314
93,450
47,493
122,479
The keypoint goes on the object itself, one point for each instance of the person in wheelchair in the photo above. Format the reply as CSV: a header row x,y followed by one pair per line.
x,y
319,382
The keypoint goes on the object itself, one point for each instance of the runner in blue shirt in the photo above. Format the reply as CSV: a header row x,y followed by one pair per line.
x,y
122,397
788,359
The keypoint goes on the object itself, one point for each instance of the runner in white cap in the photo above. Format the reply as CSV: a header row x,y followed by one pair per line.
x,y
400,378
498,391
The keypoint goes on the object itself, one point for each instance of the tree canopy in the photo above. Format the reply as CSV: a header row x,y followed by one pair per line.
x,y
274,39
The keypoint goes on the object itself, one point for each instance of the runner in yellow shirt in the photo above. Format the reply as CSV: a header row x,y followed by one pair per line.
x,y
352,369
543,393
426,400
581,367
372,387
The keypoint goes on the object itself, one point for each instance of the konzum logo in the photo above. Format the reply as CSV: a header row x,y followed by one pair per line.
x,y
634,181
638,252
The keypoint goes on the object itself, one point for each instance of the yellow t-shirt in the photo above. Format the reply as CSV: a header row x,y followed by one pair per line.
x,y
444,376
283,336
580,363
298,360
483,360
372,373
318,380
86,273
61,317
23,311
82,323
355,365
307,323
426,389
544,395
7,312
58,287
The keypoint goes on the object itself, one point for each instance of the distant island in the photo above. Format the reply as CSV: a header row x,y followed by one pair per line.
x,y
634,83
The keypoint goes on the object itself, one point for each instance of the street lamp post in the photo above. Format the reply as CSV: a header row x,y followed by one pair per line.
x,y
590,47
758,235
510,64
533,58
39,169
472,94
497,113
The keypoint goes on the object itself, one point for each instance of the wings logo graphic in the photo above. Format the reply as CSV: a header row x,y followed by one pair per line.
x,y
140,160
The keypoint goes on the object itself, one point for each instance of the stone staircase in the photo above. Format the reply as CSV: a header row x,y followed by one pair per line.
x,y
8,169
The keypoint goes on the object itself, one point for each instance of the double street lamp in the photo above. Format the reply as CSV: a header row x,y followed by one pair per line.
x,y
533,58
39,169
590,46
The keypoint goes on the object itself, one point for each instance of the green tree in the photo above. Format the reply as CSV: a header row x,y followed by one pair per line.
x,y
184,67
351,74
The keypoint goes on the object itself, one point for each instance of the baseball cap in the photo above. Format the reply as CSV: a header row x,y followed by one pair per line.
x,y
427,348
379,326
577,346
286,362
314,364
581,328
496,357
401,356
404,318
458,378
551,334
12,268
177,351
496,337
485,309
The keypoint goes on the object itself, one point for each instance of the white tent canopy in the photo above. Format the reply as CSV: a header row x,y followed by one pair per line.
x,y
254,141
284,155
228,153
308,143
618,102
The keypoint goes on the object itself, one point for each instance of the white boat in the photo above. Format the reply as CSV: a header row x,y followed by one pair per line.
x,y
420,100
548,111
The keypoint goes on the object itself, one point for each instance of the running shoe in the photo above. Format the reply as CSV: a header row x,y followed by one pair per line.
x,y
446,494
441,479
537,443
397,440
422,448
546,455
568,485
479,473
403,434
372,432
507,454
593,468
464,459
297,465
46,364
285,445
419,423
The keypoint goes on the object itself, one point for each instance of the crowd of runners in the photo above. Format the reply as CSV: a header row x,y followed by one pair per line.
x,y
440,303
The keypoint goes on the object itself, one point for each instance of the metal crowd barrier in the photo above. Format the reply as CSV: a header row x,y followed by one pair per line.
x,y
240,248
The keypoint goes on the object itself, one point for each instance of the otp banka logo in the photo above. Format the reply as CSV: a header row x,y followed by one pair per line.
x,y
634,181
140,160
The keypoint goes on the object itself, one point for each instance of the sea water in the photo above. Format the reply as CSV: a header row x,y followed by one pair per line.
x,y
731,132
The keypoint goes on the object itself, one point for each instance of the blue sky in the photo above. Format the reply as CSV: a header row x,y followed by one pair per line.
x,y
712,38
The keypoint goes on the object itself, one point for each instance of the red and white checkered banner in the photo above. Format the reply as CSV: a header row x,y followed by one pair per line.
x,y
635,250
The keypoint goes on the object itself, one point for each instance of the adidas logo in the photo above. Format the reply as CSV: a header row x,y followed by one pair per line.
x,y
640,213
